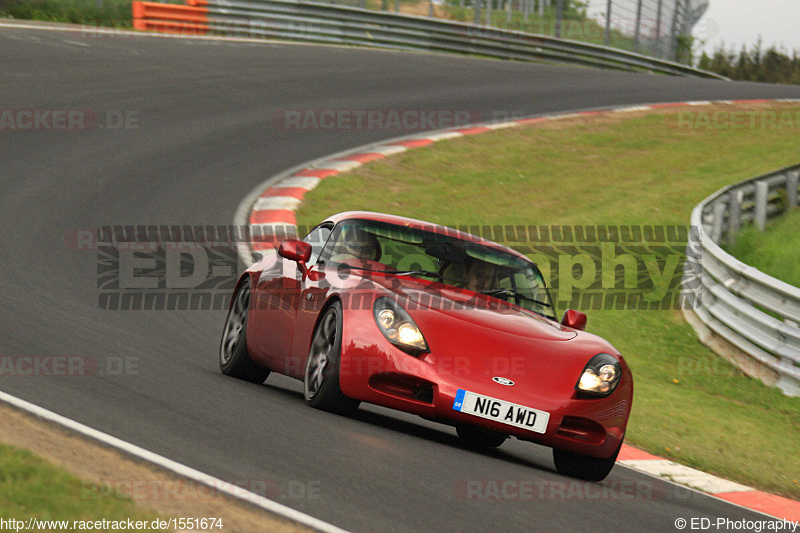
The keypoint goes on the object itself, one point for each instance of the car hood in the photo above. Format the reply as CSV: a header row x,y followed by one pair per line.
x,y
476,309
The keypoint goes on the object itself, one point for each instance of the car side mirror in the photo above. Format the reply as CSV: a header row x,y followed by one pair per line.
x,y
296,250
574,319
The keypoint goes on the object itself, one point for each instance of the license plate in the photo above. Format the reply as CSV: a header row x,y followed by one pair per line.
x,y
501,411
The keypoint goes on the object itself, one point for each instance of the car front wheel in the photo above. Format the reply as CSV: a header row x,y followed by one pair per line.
x,y
582,466
321,382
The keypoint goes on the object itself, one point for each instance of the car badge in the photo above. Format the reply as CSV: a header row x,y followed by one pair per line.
x,y
503,381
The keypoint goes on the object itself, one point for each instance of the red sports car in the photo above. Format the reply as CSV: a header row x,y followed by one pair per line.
x,y
432,321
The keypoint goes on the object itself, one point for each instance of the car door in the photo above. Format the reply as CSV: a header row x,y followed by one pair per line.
x,y
313,295
280,298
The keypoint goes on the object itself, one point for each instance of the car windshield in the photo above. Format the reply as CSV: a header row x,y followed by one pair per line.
x,y
398,249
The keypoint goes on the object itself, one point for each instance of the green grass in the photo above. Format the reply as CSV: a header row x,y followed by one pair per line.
x,y
776,251
33,487
106,13
690,405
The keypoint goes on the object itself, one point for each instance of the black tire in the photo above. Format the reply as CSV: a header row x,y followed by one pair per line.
x,y
321,382
234,360
479,438
582,466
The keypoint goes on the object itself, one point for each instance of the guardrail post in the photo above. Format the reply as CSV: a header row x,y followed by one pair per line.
x,y
637,32
559,16
762,191
792,179
673,33
658,49
718,224
735,198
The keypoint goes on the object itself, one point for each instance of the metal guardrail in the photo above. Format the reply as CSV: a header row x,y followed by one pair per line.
x,y
757,314
326,23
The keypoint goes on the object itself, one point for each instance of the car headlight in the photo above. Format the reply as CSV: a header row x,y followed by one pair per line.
x,y
398,327
600,376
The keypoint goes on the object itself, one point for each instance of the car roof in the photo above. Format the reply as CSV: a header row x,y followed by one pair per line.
x,y
423,226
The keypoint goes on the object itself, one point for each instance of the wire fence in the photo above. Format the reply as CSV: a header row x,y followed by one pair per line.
x,y
658,28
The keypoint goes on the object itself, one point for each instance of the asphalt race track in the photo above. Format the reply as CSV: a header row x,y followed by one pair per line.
x,y
203,139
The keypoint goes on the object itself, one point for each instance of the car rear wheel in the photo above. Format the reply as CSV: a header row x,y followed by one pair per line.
x,y
582,466
480,438
321,382
234,360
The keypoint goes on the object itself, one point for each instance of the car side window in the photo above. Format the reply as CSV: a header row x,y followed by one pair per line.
x,y
317,239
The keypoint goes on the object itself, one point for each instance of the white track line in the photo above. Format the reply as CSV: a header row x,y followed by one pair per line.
x,y
628,464
686,476
176,468
267,203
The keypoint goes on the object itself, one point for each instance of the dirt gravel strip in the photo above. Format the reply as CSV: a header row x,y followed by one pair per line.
x,y
269,212
154,482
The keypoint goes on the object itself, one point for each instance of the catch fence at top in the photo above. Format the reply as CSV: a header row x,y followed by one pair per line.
x,y
652,27
337,24
656,28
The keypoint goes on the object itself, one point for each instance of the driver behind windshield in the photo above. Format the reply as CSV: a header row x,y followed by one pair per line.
x,y
472,274
479,275
355,243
